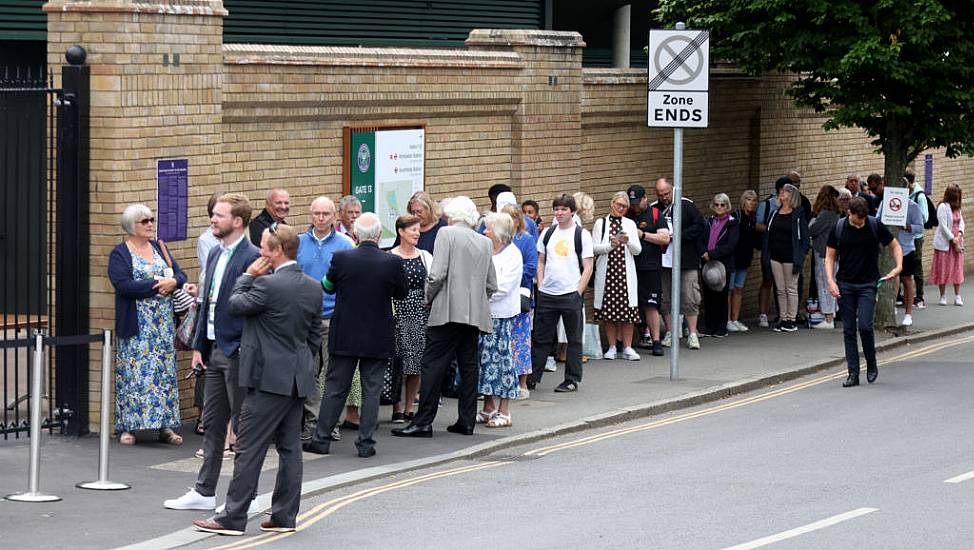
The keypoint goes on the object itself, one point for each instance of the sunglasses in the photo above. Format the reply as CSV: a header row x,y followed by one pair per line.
x,y
147,221
719,205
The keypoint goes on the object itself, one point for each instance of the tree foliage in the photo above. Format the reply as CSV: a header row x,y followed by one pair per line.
x,y
902,70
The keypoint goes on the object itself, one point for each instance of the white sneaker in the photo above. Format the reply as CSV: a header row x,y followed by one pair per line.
x,y
732,326
824,325
693,341
943,301
741,327
907,320
630,354
667,340
610,353
191,501
763,321
958,301
550,365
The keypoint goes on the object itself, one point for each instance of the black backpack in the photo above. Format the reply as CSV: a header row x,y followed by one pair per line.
x,y
931,210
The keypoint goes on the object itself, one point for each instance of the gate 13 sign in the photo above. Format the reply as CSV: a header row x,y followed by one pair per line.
x,y
679,79
384,167
172,198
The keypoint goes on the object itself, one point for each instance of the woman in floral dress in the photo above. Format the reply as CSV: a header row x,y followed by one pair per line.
x,y
498,376
144,276
411,315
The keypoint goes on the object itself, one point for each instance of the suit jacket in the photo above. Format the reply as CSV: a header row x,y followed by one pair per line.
x,y
282,326
227,327
365,280
461,279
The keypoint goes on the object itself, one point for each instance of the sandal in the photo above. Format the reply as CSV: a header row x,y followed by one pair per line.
x,y
198,429
500,421
484,417
126,438
166,435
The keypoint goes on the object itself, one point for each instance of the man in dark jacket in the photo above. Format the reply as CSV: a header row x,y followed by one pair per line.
x,y
365,280
277,207
217,343
691,228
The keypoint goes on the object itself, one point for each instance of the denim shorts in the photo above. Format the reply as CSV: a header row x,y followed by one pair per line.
x,y
737,278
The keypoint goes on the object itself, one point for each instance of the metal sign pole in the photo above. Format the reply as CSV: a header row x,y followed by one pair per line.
x,y
676,331
33,493
103,484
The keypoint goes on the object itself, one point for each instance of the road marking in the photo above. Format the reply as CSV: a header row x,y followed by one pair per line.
x,y
961,478
792,533
544,451
325,509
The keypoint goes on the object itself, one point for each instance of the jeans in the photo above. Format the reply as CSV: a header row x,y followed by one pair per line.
x,y
826,302
857,307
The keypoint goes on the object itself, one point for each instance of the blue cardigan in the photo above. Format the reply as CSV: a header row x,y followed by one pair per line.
x,y
128,290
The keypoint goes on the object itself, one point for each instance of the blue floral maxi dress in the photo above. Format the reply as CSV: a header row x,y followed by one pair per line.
x,y
498,376
146,388
521,342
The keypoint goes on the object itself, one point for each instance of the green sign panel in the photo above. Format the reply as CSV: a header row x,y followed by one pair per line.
x,y
363,169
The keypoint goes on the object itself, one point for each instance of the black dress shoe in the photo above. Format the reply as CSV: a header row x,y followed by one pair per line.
x,y
852,380
366,453
316,448
460,429
346,425
872,374
413,430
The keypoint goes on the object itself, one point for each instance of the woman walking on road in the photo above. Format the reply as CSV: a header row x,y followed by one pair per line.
x,y
948,246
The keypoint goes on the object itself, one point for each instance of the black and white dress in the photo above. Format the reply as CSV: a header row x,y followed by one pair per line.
x,y
411,316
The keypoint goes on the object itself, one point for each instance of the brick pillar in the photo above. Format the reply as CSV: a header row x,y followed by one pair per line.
x,y
546,132
156,84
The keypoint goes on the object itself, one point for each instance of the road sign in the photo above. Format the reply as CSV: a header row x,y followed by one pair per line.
x,y
679,79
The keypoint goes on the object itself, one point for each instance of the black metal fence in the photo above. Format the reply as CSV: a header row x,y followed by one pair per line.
x,y
43,242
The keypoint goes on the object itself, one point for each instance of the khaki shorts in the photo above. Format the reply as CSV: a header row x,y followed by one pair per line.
x,y
689,291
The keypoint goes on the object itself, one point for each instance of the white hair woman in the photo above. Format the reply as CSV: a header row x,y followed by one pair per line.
x,y
145,275
461,211
719,243
498,375
615,241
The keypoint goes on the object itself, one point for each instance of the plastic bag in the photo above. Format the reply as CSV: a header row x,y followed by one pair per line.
x,y
591,341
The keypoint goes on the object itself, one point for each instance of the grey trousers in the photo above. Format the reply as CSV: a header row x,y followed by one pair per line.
x,y
313,403
338,382
221,404
266,417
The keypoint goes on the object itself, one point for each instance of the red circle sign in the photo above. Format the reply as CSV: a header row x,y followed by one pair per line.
x,y
895,204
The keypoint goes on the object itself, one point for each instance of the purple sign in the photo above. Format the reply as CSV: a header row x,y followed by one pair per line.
x,y
928,174
172,194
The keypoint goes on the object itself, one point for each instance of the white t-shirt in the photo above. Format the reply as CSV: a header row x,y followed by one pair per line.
x,y
561,274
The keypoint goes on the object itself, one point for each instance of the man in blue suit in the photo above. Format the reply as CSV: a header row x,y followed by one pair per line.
x,y
365,280
217,342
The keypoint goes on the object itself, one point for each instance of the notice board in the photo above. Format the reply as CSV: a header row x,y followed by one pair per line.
x,y
383,167
172,198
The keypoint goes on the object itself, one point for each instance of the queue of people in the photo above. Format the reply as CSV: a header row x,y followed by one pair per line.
x,y
476,300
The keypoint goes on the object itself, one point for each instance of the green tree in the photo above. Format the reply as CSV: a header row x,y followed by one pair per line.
x,y
901,70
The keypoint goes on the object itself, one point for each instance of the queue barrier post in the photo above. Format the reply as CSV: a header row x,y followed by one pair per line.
x,y
33,493
102,483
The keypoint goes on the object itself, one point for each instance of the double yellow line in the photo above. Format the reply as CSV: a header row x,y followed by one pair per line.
x,y
325,509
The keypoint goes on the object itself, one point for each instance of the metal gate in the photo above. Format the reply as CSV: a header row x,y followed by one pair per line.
x,y
43,243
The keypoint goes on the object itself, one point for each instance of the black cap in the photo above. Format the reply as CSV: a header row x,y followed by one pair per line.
x,y
781,183
636,192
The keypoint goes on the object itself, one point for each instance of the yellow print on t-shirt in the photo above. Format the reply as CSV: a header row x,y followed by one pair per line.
x,y
561,248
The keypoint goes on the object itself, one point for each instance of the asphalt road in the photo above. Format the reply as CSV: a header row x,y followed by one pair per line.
x,y
809,465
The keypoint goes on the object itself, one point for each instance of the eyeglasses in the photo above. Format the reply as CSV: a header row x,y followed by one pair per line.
x,y
322,214
719,205
147,221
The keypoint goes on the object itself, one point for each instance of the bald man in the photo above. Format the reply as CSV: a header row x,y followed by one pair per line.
x,y
317,245
277,206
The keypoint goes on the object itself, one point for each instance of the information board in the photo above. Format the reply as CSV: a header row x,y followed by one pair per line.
x,y
172,198
385,167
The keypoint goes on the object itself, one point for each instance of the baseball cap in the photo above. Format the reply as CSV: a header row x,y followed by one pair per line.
x,y
636,192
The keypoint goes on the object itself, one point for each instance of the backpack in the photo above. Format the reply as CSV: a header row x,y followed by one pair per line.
x,y
931,210
578,248
871,220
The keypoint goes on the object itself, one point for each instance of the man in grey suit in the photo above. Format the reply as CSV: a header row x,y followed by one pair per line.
x,y
216,344
365,281
461,281
281,329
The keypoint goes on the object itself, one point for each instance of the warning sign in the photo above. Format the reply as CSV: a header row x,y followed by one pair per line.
x,y
894,207
679,79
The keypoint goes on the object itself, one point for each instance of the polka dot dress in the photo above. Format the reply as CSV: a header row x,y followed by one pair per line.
x,y
615,297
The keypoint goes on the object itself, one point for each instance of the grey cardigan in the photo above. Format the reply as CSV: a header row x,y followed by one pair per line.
x,y
820,229
461,279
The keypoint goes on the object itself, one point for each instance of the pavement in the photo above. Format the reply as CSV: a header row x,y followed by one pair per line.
x,y
611,392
